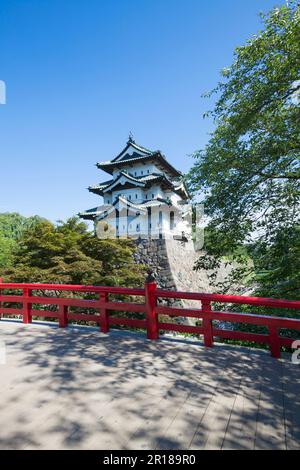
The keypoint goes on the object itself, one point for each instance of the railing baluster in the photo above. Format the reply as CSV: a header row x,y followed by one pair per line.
x,y
151,315
274,341
207,325
104,319
27,305
63,316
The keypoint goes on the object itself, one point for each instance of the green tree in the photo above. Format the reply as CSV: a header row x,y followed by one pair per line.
x,y
7,247
12,226
249,171
69,254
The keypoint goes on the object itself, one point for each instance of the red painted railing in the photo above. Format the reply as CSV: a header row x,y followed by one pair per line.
x,y
150,307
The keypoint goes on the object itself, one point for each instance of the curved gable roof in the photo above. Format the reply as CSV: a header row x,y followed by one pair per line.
x,y
135,153
132,149
128,178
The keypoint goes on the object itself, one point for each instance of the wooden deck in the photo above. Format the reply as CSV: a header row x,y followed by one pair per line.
x,y
78,389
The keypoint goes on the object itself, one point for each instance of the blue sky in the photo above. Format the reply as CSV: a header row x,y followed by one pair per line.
x,y
81,74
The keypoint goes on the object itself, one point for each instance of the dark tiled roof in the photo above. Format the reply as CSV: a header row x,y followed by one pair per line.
x,y
145,180
141,154
128,157
132,143
157,157
91,214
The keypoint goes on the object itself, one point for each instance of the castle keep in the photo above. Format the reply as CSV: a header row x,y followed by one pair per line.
x,y
144,198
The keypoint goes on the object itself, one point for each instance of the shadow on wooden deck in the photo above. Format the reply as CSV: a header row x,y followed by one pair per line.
x,y
78,389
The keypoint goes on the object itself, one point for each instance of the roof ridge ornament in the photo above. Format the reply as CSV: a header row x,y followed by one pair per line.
x,y
130,138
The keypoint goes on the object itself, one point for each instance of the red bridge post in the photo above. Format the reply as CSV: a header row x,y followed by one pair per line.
x,y
207,325
104,320
27,306
63,316
151,301
274,341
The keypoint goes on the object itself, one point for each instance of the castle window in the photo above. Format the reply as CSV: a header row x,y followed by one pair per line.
x,y
172,225
142,172
136,196
129,197
137,227
160,219
146,195
152,196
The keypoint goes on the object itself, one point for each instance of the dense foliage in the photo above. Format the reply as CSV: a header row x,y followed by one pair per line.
x,y
12,227
68,253
250,169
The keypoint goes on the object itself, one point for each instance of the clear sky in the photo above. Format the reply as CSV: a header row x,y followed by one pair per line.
x,y
81,74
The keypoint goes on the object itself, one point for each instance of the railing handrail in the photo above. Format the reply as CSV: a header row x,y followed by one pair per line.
x,y
152,323
233,299
224,298
73,288
253,318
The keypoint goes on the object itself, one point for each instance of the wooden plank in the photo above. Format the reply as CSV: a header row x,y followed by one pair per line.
x,y
270,431
180,432
164,412
291,390
241,430
212,428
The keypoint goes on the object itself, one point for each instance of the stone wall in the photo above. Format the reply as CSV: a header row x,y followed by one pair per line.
x,y
172,261
153,254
